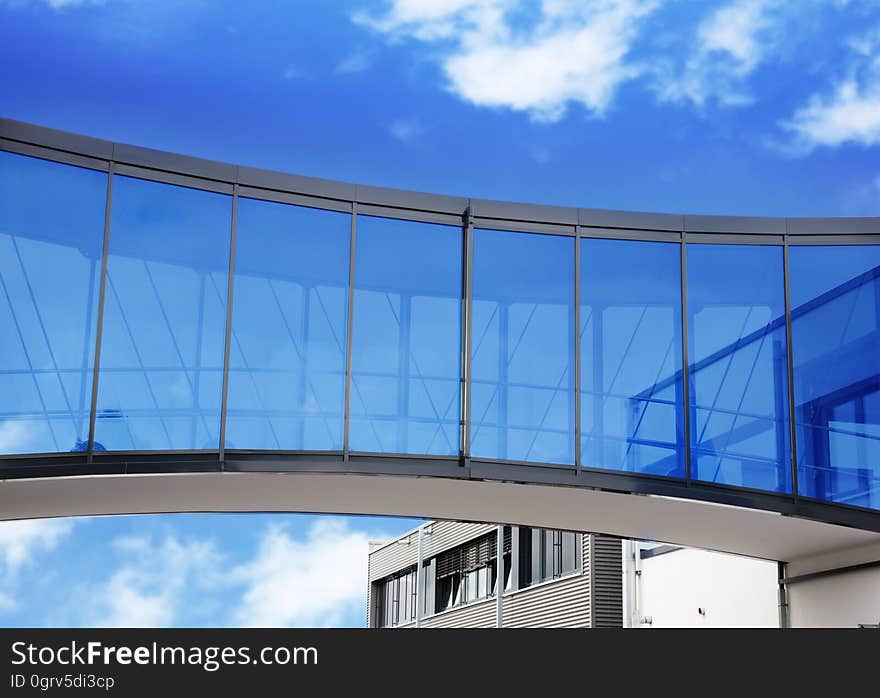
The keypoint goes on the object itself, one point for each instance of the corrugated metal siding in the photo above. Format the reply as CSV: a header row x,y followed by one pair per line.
x,y
448,534
476,615
369,609
393,557
607,582
561,604
565,603
593,598
398,555
444,535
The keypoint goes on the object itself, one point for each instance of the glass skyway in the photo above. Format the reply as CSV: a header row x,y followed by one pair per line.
x,y
152,304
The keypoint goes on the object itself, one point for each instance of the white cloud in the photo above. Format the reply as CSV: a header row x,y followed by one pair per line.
x,y
17,437
405,130
20,543
149,588
576,51
21,540
848,113
315,582
357,62
729,45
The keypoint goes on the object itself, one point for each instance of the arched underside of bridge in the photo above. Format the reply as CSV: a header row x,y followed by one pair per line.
x,y
676,520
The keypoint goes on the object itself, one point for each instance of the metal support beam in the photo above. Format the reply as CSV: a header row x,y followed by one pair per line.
x,y
784,618
420,577
99,330
499,583
228,331
348,339
685,368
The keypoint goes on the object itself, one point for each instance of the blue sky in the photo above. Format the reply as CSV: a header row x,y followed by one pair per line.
x,y
763,107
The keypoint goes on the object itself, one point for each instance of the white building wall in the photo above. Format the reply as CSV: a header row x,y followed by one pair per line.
x,y
837,601
732,591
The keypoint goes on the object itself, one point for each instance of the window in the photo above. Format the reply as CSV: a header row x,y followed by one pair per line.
x,y
164,318
406,338
469,572
632,399
835,324
523,392
287,348
546,554
397,596
740,431
51,242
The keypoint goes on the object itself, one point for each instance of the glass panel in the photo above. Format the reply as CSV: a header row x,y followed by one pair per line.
x,y
164,318
569,548
740,433
835,326
287,349
632,399
551,567
51,239
472,585
406,367
522,395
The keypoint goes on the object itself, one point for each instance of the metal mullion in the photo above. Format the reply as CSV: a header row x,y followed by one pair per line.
x,y
577,352
790,361
467,305
85,348
685,369
224,397
102,292
348,333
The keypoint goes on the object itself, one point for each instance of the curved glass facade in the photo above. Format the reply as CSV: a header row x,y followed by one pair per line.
x,y
632,409
738,366
835,325
225,317
162,347
288,337
51,238
522,382
405,370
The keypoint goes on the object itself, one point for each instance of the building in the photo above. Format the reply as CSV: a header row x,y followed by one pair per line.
x,y
565,579
666,586
551,578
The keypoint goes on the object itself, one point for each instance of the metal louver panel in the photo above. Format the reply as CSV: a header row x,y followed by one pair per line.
x,y
471,555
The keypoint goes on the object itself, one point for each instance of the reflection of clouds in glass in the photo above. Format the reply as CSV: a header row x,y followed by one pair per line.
x,y
17,437
51,233
165,316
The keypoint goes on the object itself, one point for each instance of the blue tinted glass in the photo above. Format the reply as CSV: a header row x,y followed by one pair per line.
x,y
632,405
740,433
51,237
164,318
406,338
287,349
523,393
835,329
